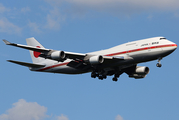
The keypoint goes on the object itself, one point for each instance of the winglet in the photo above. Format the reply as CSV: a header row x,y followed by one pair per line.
x,y
6,42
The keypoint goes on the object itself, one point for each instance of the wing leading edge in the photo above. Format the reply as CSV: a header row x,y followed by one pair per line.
x,y
42,50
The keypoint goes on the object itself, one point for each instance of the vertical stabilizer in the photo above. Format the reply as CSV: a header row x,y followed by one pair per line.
x,y
35,55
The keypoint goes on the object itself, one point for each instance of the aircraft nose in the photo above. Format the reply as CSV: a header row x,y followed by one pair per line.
x,y
175,46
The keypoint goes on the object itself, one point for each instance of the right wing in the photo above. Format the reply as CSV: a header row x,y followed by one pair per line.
x,y
27,64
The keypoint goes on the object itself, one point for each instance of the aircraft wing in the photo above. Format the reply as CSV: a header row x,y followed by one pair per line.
x,y
27,64
126,57
81,56
42,50
81,64
70,55
46,53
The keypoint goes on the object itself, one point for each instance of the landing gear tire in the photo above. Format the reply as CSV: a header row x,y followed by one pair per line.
x,y
159,65
116,76
93,75
114,79
100,77
104,76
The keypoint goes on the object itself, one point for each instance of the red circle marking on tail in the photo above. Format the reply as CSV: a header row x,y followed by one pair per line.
x,y
36,54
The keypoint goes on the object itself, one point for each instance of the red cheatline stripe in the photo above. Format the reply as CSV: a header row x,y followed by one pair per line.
x,y
113,54
146,48
53,66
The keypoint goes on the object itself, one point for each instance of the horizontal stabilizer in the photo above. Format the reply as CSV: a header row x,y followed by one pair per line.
x,y
27,64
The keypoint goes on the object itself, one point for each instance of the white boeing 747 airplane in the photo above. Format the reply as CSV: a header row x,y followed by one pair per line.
x,y
113,61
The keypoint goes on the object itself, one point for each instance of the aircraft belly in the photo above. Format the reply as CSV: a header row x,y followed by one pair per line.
x,y
138,57
148,55
67,70
152,54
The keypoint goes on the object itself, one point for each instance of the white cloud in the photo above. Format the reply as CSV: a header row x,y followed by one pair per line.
x,y
5,25
25,10
62,117
172,4
118,117
117,7
4,117
23,110
8,27
34,27
3,9
54,18
150,17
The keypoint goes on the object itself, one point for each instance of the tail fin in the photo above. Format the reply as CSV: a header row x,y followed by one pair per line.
x,y
35,55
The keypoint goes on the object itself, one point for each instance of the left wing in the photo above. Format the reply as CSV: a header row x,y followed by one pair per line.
x,y
42,50
61,55
46,52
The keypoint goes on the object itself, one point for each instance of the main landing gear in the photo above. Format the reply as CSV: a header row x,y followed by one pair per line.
x,y
102,75
95,74
159,63
115,78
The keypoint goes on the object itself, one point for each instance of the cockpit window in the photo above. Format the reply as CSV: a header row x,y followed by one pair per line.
x,y
162,38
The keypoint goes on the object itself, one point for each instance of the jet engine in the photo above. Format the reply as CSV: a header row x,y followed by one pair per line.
x,y
140,72
96,60
58,55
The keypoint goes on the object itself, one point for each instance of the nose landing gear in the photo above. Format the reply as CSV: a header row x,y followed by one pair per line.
x,y
159,63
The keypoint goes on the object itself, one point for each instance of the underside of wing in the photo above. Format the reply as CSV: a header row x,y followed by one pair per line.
x,y
27,64
90,62
79,65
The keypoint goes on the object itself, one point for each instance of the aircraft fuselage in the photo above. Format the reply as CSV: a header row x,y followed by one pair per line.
x,y
137,52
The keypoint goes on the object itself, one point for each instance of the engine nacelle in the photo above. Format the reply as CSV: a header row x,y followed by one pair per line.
x,y
140,72
58,55
96,59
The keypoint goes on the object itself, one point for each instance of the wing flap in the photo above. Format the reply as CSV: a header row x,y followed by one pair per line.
x,y
74,56
79,65
113,57
126,57
27,64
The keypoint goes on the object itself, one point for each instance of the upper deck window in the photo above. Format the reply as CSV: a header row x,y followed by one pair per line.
x,y
162,38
